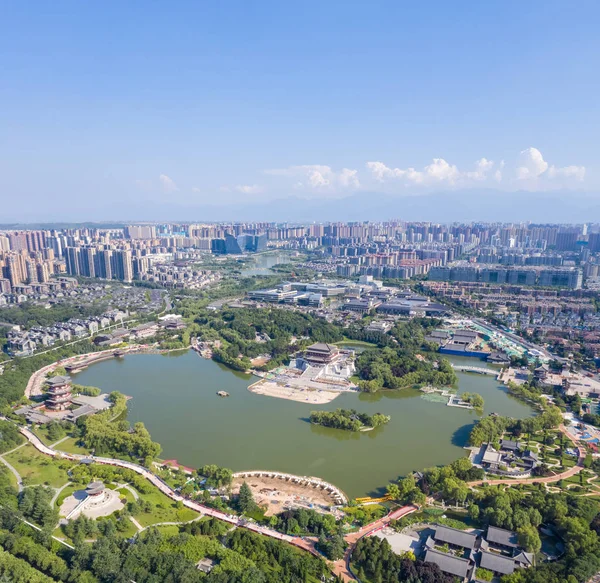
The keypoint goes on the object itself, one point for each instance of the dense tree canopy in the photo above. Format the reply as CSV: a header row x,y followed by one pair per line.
x,y
10,437
374,560
348,419
116,438
408,361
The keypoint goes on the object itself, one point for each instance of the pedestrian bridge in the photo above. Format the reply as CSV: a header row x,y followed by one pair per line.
x,y
475,369
339,496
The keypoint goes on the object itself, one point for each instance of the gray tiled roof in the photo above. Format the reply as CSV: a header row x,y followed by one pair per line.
x,y
503,537
524,558
322,347
448,563
497,563
454,536
59,380
508,444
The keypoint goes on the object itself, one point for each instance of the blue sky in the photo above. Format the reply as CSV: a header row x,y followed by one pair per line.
x,y
144,103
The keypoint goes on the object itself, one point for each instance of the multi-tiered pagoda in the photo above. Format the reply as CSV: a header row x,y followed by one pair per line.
x,y
59,393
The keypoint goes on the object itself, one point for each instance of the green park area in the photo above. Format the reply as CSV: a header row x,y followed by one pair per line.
x,y
154,507
37,468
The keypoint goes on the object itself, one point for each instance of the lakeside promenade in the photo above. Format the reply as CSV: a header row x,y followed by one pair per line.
x,y
340,568
158,482
37,379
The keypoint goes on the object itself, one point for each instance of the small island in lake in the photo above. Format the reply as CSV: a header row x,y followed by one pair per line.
x,y
474,399
348,419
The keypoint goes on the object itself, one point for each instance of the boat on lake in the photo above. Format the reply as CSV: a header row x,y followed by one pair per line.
x,y
223,393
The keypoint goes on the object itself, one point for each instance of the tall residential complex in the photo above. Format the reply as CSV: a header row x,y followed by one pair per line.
x,y
523,253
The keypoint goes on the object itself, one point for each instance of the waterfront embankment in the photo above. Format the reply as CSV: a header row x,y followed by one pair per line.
x,y
78,363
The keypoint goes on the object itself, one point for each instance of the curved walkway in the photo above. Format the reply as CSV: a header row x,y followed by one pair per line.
x,y
160,484
14,472
127,487
57,492
341,567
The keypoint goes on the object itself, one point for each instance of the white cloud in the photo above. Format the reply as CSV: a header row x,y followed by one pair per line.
x,y
531,164
319,177
576,172
249,188
168,184
535,171
349,178
196,189
482,168
531,171
440,170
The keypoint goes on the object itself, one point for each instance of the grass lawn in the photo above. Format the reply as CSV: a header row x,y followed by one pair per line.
x,y
129,531
36,468
11,477
70,446
59,533
163,510
125,493
168,530
453,519
42,432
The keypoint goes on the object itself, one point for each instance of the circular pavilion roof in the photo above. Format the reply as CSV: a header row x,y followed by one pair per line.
x,y
94,488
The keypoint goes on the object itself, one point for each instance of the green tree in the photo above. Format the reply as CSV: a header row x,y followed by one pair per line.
x,y
529,539
246,501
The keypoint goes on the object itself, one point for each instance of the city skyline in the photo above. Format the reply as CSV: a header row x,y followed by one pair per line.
x,y
216,112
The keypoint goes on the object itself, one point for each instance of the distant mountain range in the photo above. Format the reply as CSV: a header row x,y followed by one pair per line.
x,y
445,207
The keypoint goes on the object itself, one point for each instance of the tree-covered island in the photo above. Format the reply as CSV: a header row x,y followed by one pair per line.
x,y
348,419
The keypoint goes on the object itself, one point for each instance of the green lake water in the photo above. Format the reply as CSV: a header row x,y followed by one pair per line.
x,y
175,396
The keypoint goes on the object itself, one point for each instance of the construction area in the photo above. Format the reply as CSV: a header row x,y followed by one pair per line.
x,y
279,492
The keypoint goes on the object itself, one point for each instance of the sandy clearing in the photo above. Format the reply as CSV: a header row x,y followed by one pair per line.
x,y
273,389
279,495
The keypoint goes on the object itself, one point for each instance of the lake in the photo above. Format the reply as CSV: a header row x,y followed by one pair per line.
x,y
175,396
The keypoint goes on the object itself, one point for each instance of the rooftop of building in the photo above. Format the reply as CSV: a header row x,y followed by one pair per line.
x,y
59,380
447,563
501,536
323,347
456,537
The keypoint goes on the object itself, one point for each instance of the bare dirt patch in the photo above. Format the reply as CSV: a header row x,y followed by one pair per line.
x,y
279,495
